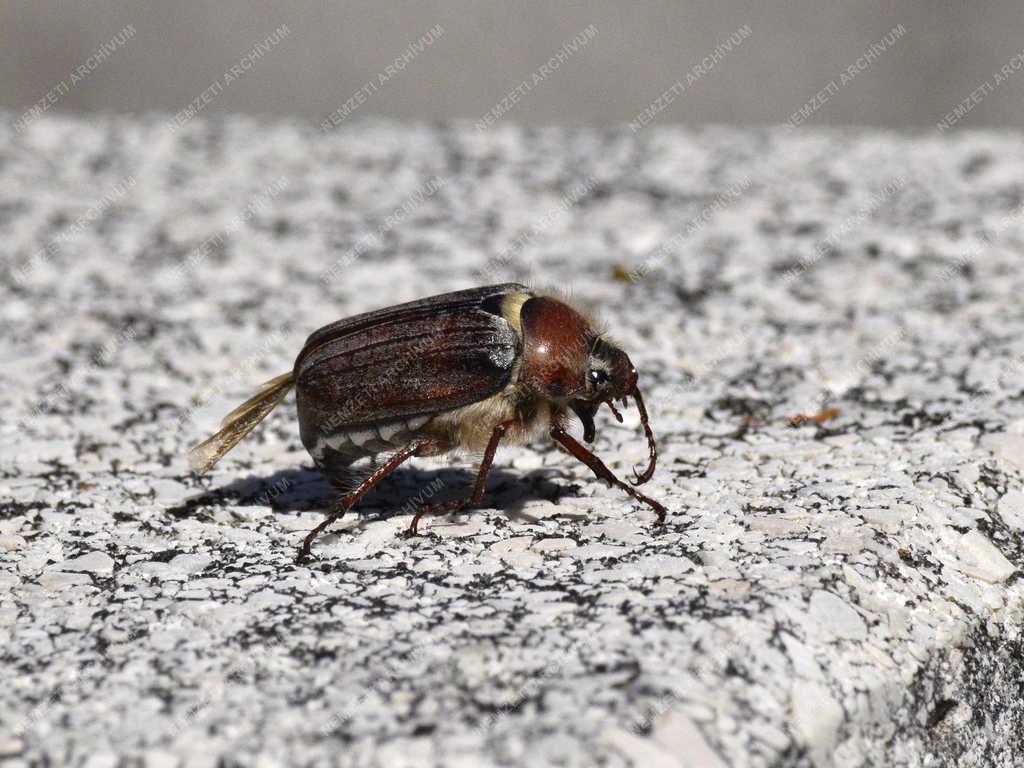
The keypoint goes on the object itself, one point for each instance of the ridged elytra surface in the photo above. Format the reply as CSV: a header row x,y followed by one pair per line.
x,y
360,380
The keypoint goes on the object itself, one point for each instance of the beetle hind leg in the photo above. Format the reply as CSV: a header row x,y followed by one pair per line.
x,y
346,502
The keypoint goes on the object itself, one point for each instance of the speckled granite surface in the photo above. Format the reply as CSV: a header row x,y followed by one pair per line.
x,y
843,592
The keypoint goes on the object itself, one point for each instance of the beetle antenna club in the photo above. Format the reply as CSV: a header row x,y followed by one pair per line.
x,y
462,370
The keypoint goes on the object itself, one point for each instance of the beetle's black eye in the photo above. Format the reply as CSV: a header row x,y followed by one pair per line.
x,y
598,376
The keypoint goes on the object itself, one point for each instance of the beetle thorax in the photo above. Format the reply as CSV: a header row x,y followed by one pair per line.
x,y
556,344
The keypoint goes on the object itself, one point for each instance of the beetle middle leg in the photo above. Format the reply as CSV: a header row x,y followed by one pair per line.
x,y
598,468
346,502
478,489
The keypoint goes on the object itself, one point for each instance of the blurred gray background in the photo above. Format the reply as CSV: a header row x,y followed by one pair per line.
x,y
178,50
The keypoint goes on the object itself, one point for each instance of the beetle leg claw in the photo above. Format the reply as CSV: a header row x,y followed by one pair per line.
x,y
432,509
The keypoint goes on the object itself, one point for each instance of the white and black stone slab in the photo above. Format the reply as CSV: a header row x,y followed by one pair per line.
x,y
842,591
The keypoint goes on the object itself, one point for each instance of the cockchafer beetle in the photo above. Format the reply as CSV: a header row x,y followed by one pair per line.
x,y
462,370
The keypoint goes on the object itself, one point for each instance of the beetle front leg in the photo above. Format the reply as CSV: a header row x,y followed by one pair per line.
x,y
598,468
478,489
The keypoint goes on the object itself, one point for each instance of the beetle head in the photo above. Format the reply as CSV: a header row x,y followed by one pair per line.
x,y
610,373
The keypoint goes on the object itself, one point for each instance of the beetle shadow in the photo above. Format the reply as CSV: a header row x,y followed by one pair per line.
x,y
400,493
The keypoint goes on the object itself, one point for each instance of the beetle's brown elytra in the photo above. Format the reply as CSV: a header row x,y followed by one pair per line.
x,y
462,370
